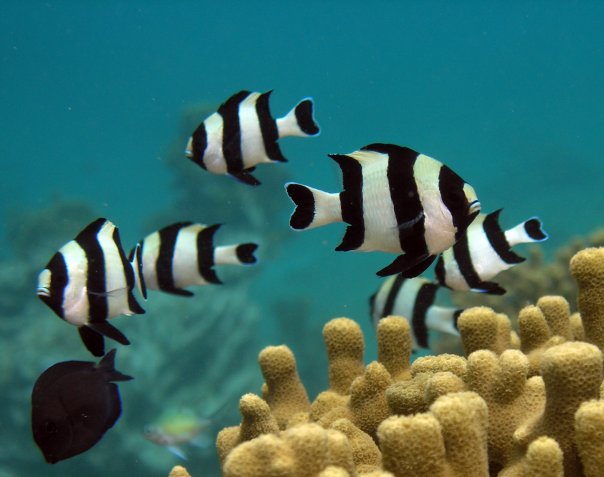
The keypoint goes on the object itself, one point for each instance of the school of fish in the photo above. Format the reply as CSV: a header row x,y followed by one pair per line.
x,y
393,199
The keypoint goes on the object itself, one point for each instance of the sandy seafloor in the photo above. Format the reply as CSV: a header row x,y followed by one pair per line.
x,y
92,94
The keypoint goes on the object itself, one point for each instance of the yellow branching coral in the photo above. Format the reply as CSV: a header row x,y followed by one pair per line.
x,y
283,390
572,373
533,411
587,267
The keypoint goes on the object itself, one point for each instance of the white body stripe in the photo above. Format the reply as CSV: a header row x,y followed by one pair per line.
x,y
252,142
75,300
439,228
485,260
185,271
213,157
115,277
150,254
381,232
438,318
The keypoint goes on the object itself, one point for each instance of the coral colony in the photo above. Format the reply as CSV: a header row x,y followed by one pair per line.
x,y
517,405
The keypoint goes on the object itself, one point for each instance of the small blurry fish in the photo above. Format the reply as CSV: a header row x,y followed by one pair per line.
x,y
184,254
243,133
73,404
483,252
413,299
174,428
88,281
394,200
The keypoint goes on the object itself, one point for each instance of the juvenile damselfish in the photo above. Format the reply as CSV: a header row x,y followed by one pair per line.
x,y
394,200
88,281
73,404
183,254
243,134
484,251
414,300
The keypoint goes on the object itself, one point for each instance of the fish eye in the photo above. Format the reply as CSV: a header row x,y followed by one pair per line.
x,y
50,427
456,197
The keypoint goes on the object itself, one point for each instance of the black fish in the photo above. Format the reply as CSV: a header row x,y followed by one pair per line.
x,y
73,403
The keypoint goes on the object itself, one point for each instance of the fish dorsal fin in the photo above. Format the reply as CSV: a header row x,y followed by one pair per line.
x,y
233,101
394,151
100,227
361,156
108,364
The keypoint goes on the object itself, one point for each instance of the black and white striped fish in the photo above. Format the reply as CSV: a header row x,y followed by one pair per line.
x,y
88,281
483,252
243,134
413,299
183,254
394,200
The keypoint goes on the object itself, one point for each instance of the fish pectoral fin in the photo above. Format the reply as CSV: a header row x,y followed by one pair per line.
x,y
491,288
177,451
94,342
406,228
408,266
245,177
111,293
110,331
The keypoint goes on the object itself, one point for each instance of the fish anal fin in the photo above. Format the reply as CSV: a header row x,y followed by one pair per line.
x,y
94,342
407,265
490,288
245,177
177,291
110,331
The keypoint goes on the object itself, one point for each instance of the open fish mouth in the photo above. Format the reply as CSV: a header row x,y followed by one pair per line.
x,y
43,291
474,208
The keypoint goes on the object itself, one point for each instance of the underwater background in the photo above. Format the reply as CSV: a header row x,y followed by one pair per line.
x,y
98,99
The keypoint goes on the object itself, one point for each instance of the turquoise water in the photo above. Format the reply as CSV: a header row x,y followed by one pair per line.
x,y
92,98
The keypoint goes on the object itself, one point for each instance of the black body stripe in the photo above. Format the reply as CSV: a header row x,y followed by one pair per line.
x,y
165,257
496,237
59,278
128,273
423,301
439,271
461,254
205,254
406,201
95,277
450,186
268,127
231,132
397,284
351,201
199,143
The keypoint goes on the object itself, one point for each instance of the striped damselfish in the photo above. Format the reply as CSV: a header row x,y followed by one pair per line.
x,y
484,251
243,134
394,200
88,281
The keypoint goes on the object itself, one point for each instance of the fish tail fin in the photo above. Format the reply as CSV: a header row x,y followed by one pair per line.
x,y
136,260
108,364
239,254
313,207
299,121
443,319
527,232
